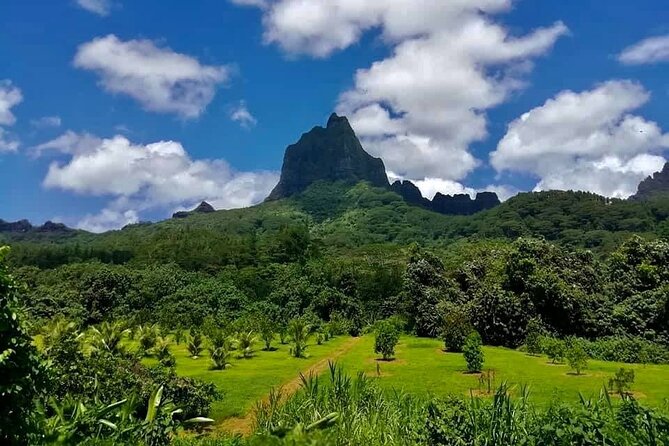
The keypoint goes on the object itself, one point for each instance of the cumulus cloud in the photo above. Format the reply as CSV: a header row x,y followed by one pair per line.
x,y
46,122
421,107
586,141
10,96
159,78
242,116
108,219
648,51
142,177
99,7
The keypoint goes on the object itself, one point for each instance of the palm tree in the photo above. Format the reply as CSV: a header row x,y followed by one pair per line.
x,y
194,344
108,337
245,341
299,332
162,347
147,336
220,356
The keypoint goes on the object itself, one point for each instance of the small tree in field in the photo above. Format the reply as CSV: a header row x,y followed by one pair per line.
x,y
622,381
387,336
576,356
266,329
473,352
533,336
455,327
553,347
194,344
299,332
245,341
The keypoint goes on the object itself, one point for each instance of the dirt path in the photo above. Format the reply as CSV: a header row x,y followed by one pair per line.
x,y
244,425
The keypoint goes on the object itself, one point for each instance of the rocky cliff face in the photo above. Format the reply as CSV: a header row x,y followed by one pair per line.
x,y
24,226
332,153
658,183
460,204
202,208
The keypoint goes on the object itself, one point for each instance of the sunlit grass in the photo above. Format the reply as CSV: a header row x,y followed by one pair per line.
x,y
422,367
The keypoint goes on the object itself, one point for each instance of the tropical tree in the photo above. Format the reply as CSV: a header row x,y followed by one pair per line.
x,y
455,327
533,336
21,370
298,332
577,357
245,341
387,336
147,336
473,352
108,337
554,348
221,355
194,344
266,328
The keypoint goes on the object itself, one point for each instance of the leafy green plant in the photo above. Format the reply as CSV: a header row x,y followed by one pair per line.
x,y
473,352
387,337
245,341
108,337
577,357
455,327
220,357
554,348
299,332
147,335
194,344
622,381
533,336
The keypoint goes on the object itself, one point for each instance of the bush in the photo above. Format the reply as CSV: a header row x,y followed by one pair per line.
x,y
387,336
473,352
533,336
554,348
577,357
455,327
298,332
622,381
627,349
194,345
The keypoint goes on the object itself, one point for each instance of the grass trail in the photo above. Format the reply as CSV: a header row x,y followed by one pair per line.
x,y
244,425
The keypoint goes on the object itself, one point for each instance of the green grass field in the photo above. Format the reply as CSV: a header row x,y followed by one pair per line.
x,y
422,367
248,380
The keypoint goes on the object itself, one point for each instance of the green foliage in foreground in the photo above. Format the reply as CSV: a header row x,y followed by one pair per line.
x,y
341,410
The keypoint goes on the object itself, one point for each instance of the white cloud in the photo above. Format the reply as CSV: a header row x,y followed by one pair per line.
x,y
648,51
157,77
586,141
242,116
108,219
7,142
421,107
46,122
153,176
99,7
9,97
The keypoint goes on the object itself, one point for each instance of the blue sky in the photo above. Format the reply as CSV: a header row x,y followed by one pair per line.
x,y
114,111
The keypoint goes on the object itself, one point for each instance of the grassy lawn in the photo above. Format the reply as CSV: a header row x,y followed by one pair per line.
x,y
422,367
248,380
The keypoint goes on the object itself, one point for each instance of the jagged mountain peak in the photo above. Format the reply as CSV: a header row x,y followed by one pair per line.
x,y
331,153
657,183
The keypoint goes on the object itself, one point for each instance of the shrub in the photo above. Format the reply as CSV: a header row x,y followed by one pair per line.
x,y
622,381
147,336
245,341
554,348
473,352
220,357
533,336
387,336
576,355
627,349
194,344
299,332
455,327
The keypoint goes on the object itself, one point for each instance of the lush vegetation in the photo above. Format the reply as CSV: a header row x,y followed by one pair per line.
x,y
199,317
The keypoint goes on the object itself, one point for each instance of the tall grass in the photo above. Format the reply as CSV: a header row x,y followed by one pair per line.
x,y
341,410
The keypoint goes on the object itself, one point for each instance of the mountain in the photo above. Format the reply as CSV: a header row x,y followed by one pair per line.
x,y
202,208
24,226
332,154
459,204
653,185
